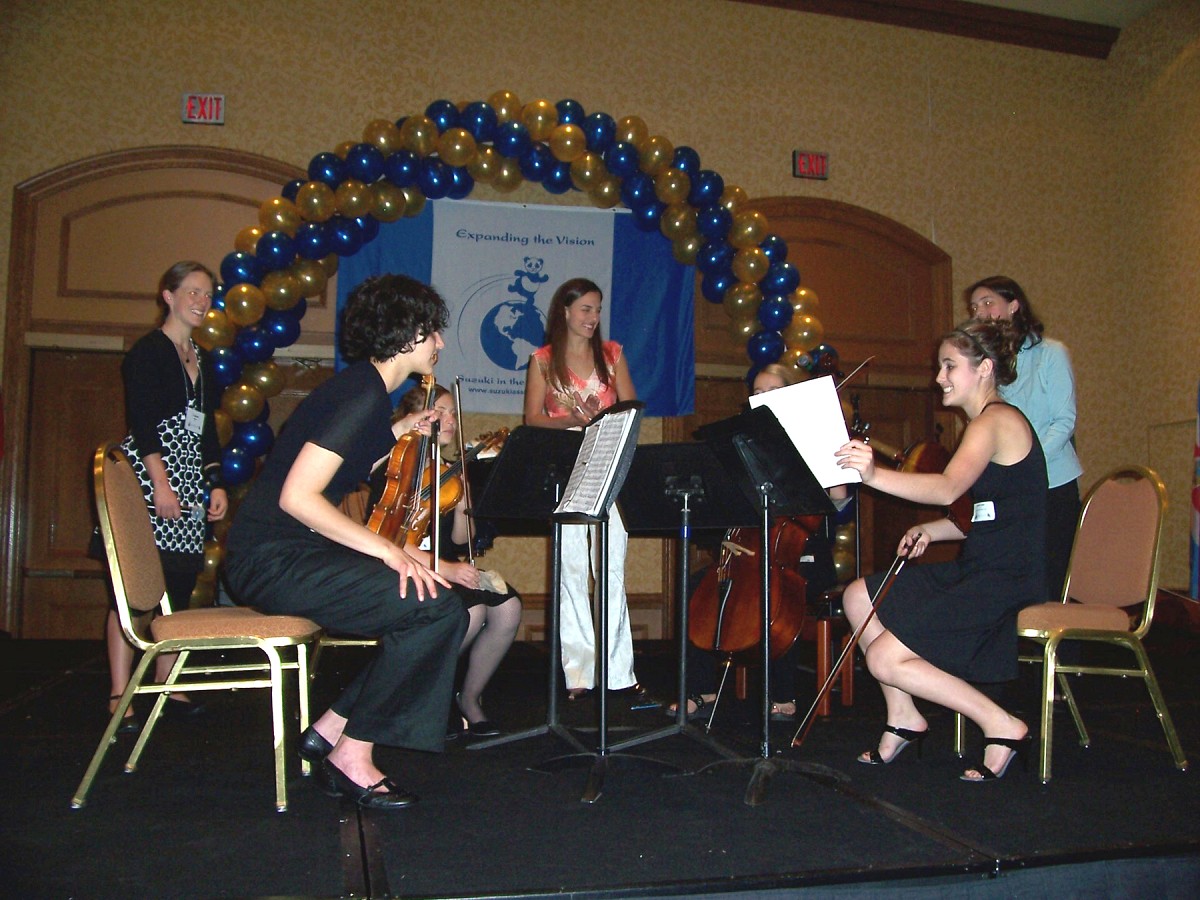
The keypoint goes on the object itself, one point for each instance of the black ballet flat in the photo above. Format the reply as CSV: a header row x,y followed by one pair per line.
x,y
312,746
906,735
1018,747
483,728
368,797
182,709
130,724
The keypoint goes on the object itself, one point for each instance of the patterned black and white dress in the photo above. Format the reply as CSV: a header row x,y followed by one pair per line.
x,y
158,394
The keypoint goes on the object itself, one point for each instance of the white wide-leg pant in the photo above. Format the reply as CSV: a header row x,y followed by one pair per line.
x,y
581,556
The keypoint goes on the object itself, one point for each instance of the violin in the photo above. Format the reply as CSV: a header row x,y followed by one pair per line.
x,y
406,472
725,612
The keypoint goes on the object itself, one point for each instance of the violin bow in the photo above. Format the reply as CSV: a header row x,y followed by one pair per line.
x,y
862,365
462,455
435,479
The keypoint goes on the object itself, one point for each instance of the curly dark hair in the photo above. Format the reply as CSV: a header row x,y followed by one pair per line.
x,y
173,278
556,330
388,314
994,339
1028,325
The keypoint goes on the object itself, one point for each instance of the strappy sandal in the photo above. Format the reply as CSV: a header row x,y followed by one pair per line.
x,y
907,736
1017,747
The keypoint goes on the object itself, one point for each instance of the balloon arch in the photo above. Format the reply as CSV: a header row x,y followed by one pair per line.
x,y
293,250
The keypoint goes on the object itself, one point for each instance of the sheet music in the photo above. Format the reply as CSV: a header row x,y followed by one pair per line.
x,y
812,417
597,463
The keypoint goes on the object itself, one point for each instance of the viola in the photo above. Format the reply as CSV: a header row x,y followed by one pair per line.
x,y
725,612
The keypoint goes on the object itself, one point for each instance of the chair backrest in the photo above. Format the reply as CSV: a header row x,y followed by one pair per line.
x,y
1115,557
133,561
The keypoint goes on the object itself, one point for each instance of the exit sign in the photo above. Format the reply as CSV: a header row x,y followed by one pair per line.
x,y
204,109
810,165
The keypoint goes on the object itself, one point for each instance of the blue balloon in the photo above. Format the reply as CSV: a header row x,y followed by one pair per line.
x,y
401,168
291,189
253,343
299,309
238,267
236,465
536,162
638,190
434,179
312,240
443,113
714,222
600,130
570,112
765,347
845,515
265,414
480,119
275,250
775,247
781,278
621,159
364,162
255,437
369,226
226,365
512,139
715,257
707,187
281,326
648,216
824,359
558,179
218,300
461,184
328,168
775,312
714,285
686,160
345,236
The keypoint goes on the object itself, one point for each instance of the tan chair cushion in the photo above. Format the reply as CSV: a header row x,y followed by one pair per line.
x,y
1049,616
225,622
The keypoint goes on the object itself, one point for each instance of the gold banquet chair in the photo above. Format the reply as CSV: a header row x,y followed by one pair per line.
x,y
137,581
1108,598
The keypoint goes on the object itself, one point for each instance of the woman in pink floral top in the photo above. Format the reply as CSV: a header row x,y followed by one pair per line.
x,y
570,380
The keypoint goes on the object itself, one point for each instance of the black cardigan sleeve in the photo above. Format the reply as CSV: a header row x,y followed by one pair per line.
x,y
154,390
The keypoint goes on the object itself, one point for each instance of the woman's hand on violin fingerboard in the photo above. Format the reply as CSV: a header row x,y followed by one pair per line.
x,y
418,421
857,455
424,579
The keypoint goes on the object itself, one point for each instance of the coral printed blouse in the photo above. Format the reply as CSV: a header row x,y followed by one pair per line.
x,y
559,400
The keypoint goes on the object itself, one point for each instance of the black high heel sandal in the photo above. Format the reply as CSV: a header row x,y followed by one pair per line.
x,y
1019,747
907,736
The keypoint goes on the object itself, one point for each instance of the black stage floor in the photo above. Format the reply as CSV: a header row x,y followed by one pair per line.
x,y
198,819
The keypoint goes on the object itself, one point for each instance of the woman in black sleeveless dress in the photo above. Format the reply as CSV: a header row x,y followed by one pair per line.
x,y
943,625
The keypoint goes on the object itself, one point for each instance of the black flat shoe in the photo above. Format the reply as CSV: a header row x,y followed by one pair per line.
x,y
182,709
392,797
131,724
1017,747
907,736
312,746
641,699
483,728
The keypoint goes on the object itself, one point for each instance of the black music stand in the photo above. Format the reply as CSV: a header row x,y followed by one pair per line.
x,y
700,495
524,485
760,457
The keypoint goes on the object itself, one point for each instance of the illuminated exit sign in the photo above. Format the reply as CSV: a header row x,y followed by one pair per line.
x,y
204,109
810,165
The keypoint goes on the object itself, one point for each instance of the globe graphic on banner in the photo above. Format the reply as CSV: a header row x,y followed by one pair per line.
x,y
510,331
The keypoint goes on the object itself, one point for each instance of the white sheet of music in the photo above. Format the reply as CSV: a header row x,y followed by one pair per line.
x,y
812,417
596,463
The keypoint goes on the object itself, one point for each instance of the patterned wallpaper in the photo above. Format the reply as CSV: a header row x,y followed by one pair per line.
x,y
1076,176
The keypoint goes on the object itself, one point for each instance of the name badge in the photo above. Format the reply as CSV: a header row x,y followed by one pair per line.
x,y
193,421
984,512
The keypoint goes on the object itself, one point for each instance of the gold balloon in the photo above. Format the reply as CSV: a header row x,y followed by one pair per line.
x,y
419,134
540,117
678,221
804,302
215,331
279,214
568,143
483,166
606,193
268,377
685,250
732,198
656,155
741,301
203,594
353,198
804,332
750,264
213,554
588,170
383,135
311,275
242,401
456,147
741,330
632,130
748,229
843,535
843,567
343,149
316,201
281,289
414,201
387,201
672,186
508,176
220,528
798,359
330,264
224,426
247,239
506,104
244,304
